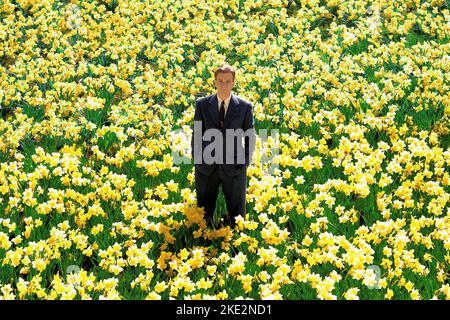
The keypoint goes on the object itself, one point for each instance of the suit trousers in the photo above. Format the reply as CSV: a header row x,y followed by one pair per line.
x,y
234,190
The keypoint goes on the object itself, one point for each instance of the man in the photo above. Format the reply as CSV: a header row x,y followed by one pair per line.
x,y
224,117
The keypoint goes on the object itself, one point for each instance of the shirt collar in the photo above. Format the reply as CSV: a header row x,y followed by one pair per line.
x,y
227,100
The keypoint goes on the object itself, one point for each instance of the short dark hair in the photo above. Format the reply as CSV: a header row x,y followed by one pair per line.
x,y
226,68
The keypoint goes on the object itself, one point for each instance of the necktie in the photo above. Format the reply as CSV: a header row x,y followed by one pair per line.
x,y
222,114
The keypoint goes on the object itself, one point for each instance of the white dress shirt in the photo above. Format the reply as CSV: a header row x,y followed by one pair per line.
x,y
227,102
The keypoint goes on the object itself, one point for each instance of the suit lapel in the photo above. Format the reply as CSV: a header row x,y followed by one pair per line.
x,y
214,109
232,108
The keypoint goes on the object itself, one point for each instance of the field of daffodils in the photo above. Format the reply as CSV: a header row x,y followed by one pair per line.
x,y
97,98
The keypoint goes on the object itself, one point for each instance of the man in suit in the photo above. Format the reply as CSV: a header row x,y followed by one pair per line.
x,y
222,115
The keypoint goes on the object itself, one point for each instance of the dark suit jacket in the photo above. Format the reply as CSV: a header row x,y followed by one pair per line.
x,y
239,115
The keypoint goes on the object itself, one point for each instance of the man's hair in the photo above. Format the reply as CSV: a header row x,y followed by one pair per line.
x,y
226,68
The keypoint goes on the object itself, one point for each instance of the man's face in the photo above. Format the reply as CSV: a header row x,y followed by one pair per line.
x,y
224,83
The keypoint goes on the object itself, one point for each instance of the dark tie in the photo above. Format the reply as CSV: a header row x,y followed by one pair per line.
x,y
222,114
